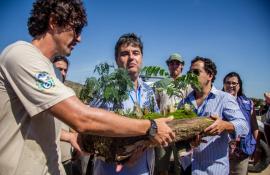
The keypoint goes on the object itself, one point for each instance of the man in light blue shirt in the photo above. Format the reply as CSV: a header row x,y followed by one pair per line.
x,y
211,156
128,55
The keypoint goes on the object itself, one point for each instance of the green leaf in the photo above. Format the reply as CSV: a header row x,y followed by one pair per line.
x,y
150,71
175,87
111,85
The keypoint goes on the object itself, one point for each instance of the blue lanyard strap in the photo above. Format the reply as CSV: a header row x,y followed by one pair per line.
x,y
138,95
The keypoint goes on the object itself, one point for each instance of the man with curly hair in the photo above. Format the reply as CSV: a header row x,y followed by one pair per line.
x,y
32,97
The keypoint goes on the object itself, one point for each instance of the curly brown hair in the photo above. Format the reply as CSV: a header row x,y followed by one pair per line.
x,y
66,13
209,66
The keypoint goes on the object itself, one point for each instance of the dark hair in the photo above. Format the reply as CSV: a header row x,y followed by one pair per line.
x,y
128,39
209,66
66,13
60,58
234,74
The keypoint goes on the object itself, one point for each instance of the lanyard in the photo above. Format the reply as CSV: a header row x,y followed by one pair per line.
x,y
138,95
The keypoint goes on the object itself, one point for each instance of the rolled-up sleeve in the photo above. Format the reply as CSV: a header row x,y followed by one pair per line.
x,y
233,114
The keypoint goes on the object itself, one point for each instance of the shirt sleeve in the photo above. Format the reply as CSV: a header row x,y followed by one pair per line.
x,y
31,76
233,114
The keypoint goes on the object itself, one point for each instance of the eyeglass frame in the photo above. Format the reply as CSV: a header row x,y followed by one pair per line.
x,y
234,84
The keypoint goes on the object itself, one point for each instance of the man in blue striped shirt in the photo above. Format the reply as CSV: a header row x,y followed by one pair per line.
x,y
210,154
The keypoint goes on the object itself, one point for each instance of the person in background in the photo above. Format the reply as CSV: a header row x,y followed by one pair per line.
x,y
267,101
32,96
243,146
210,154
129,55
62,64
69,155
166,105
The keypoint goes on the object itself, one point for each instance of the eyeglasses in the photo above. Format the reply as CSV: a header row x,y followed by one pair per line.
x,y
231,83
194,71
77,31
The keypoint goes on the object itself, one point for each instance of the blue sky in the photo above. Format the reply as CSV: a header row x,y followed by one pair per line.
x,y
235,34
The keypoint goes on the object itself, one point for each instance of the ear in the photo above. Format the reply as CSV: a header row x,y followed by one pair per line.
x,y
210,75
52,23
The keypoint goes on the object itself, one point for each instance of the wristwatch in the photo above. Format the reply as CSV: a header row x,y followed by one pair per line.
x,y
152,131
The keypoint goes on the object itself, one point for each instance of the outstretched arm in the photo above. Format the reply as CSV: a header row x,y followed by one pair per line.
x,y
85,119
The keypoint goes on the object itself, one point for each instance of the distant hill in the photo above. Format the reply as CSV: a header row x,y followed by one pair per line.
x,y
77,87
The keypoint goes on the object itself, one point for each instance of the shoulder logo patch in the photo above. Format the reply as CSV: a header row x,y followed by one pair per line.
x,y
44,80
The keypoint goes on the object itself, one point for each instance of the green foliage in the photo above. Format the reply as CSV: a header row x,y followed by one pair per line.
x,y
149,71
89,90
182,83
183,114
178,114
170,86
111,86
153,116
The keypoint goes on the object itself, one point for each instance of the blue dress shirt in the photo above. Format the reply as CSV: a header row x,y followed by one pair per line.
x,y
211,158
145,164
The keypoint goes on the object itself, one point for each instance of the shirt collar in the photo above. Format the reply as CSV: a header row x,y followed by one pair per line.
x,y
140,84
213,91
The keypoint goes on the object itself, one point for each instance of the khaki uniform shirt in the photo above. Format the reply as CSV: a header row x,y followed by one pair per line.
x,y
29,134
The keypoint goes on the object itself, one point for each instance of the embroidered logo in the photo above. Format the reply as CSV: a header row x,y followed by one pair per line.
x,y
44,80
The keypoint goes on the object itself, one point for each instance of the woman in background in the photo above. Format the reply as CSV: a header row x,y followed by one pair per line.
x,y
242,147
